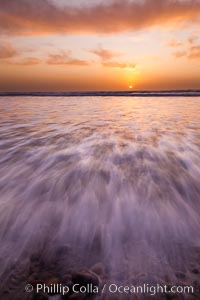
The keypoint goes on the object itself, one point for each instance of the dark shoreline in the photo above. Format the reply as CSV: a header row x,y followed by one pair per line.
x,y
164,93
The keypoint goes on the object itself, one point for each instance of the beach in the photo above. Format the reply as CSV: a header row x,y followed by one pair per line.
x,y
99,190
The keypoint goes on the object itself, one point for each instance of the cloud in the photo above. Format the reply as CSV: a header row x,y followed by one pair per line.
x,y
106,58
65,58
7,51
105,54
192,48
27,17
192,39
193,52
28,61
174,43
114,64
179,54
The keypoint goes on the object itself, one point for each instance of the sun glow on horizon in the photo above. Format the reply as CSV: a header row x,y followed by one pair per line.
x,y
89,49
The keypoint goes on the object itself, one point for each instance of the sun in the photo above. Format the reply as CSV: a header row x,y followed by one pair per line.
x,y
130,86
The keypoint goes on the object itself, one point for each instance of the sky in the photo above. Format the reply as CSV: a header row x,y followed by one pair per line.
x,y
83,45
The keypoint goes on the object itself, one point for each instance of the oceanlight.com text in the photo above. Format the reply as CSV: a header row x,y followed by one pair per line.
x,y
112,288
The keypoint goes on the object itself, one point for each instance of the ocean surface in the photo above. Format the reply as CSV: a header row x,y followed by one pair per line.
x,y
108,180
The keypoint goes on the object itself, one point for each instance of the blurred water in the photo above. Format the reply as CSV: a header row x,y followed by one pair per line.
x,y
116,179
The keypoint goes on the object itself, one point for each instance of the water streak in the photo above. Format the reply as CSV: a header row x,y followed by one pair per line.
x,y
114,179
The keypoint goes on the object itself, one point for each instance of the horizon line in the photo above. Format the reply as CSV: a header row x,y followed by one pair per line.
x,y
173,92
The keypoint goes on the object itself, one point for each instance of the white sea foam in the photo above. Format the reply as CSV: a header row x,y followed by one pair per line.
x,y
121,188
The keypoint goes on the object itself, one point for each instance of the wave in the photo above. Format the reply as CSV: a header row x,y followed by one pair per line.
x,y
167,93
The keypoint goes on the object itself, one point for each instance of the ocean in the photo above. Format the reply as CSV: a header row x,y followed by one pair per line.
x,y
88,181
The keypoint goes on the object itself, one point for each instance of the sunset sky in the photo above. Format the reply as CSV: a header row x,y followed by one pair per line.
x,y
65,45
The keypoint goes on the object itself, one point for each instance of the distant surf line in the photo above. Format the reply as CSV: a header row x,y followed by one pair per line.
x,y
164,93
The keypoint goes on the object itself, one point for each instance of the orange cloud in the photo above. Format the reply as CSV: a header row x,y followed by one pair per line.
x,y
174,43
7,51
180,54
194,52
193,49
114,64
65,59
105,54
27,17
106,57
192,39
28,61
